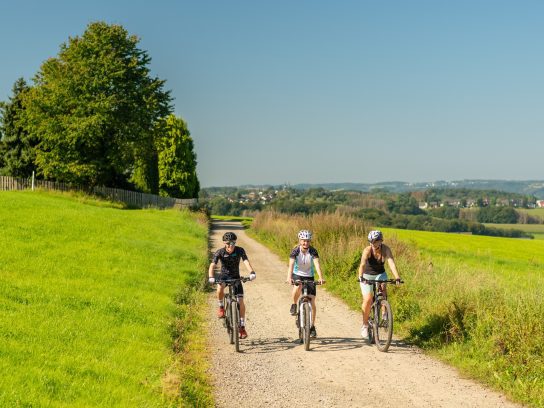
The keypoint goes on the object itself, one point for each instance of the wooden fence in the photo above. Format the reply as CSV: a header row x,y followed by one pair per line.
x,y
130,198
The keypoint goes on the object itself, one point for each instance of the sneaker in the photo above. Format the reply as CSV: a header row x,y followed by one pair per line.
x,y
313,333
293,310
243,333
221,312
364,332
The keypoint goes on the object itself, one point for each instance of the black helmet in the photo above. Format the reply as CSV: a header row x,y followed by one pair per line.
x,y
229,236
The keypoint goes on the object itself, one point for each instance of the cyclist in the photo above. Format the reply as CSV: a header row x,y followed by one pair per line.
x,y
372,268
230,256
303,263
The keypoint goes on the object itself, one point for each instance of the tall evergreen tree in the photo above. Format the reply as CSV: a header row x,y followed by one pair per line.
x,y
94,108
17,147
177,160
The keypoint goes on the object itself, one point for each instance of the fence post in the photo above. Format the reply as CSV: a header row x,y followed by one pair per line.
x,y
32,180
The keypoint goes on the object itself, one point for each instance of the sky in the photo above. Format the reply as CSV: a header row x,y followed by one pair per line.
x,y
312,91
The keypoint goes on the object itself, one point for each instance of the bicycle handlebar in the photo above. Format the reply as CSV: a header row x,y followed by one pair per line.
x,y
370,281
232,281
299,282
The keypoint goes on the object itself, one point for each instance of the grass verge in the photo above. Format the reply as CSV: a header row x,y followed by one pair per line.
x,y
100,306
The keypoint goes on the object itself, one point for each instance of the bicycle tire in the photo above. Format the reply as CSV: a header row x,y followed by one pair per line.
x,y
384,327
307,323
299,323
235,325
228,319
225,321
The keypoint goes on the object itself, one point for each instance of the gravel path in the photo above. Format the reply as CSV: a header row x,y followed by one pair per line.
x,y
340,370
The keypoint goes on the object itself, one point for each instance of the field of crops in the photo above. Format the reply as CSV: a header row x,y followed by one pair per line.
x,y
95,303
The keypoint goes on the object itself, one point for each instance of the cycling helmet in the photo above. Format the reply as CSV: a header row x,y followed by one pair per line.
x,y
304,234
375,236
229,236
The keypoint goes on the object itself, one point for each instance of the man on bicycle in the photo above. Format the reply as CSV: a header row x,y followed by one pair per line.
x,y
230,256
372,268
303,263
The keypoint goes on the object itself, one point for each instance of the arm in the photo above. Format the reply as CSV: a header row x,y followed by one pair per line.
x,y
210,270
248,265
364,257
391,262
318,269
290,270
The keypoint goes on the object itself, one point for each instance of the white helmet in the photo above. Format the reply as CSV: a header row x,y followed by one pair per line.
x,y
304,234
375,236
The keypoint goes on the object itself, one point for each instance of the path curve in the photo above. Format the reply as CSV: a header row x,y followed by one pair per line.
x,y
340,370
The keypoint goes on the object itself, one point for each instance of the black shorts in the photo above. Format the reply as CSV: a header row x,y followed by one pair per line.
x,y
311,287
238,288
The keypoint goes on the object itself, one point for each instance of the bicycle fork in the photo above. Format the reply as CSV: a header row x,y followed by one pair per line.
x,y
302,316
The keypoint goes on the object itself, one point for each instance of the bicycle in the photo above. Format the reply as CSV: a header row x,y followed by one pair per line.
x,y
304,312
380,321
232,310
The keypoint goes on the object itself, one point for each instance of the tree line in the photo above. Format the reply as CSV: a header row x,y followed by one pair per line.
x,y
95,115
396,210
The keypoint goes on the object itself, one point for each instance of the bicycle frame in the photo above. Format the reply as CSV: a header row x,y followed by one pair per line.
x,y
304,312
232,310
379,319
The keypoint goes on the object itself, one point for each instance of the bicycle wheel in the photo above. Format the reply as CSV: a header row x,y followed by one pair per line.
x,y
384,326
225,321
235,325
228,320
307,323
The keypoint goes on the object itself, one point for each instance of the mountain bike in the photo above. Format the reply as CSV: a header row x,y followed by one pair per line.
x,y
380,321
232,310
304,312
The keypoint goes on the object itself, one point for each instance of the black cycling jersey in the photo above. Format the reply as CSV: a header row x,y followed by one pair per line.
x,y
230,263
374,266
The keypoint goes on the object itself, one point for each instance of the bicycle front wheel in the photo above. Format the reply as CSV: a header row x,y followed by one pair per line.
x,y
307,323
235,325
384,326
228,321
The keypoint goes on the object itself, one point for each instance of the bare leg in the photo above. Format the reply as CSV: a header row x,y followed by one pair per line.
x,y
296,293
367,303
242,308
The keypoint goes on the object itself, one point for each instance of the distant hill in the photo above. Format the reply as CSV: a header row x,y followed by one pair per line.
x,y
529,187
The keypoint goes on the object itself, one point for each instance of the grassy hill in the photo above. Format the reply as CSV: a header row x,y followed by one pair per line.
x,y
94,301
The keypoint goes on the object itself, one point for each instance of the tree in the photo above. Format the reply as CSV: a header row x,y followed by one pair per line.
x,y
17,147
94,109
176,159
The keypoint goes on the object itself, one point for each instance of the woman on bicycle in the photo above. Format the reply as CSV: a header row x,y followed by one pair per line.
x,y
372,268
303,263
230,256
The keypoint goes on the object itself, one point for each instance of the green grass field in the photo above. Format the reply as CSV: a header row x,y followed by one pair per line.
x,y
537,230
472,301
94,304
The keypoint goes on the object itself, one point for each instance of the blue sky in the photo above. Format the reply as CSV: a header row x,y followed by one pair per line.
x,y
327,91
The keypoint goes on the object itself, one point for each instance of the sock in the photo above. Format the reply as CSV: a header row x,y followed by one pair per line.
x,y
220,303
242,322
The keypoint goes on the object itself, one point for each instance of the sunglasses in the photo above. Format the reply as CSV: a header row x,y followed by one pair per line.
x,y
230,243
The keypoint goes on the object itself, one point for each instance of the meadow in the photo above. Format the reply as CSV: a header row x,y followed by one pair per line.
x,y
472,301
536,230
100,305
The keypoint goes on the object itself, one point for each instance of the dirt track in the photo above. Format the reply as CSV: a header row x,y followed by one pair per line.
x,y
340,370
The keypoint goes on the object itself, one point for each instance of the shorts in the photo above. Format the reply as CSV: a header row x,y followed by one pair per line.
x,y
366,288
311,287
237,288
